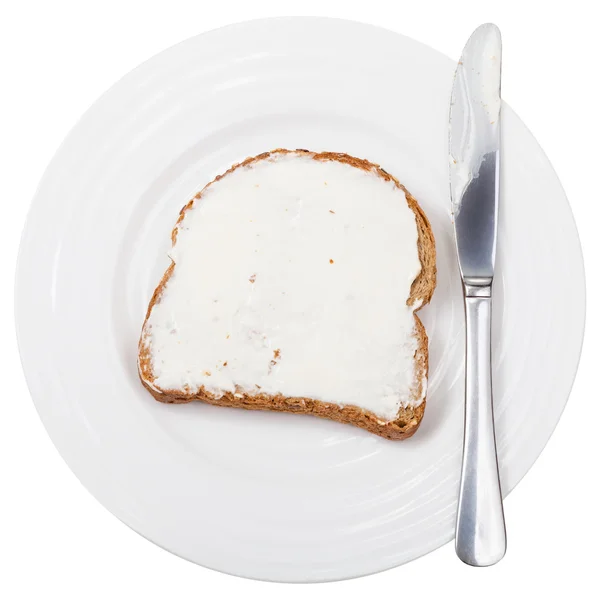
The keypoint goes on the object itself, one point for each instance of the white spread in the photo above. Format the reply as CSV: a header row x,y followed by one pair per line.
x,y
291,278
475,109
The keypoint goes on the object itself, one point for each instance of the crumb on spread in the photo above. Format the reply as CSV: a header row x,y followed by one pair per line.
x,y
332,211
252,278
331,261
227,336
275,359
225,364
207,373
325,182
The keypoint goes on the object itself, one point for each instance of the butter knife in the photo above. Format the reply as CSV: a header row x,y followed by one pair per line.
x,y
474,182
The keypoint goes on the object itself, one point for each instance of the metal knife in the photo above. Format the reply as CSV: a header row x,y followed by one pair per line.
x,y
474,182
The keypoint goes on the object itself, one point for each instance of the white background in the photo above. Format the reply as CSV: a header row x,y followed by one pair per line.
x,y
57,58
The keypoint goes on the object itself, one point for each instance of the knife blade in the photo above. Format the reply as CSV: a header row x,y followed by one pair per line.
x,y
475,153
474,148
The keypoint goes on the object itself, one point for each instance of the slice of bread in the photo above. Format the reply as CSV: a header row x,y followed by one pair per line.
x,y
293,286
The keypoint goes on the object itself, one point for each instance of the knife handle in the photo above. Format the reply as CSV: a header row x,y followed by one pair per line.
x,y
480,530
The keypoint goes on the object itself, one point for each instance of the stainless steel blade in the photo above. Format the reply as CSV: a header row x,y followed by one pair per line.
x,y
474,154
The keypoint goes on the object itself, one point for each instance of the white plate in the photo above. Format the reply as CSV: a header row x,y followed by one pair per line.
x,y
275,496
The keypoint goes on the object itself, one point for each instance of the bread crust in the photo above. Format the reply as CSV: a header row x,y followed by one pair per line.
x,y
408,419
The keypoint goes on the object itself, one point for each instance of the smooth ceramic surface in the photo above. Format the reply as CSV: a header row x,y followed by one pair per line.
x,y
275,496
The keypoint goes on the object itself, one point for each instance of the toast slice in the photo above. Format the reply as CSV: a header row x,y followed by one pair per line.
x,y
294,281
